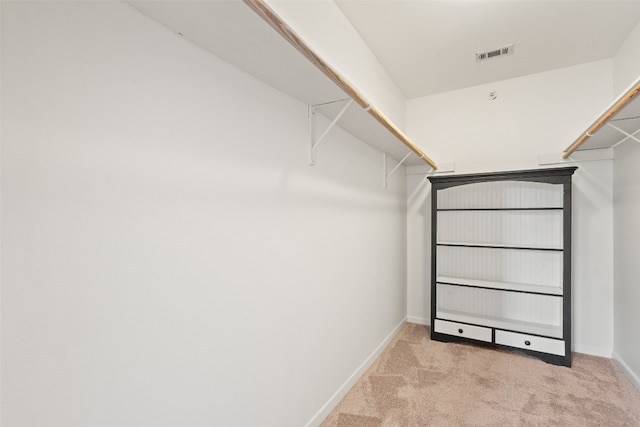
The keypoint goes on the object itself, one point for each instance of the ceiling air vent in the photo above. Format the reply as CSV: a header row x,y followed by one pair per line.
x,y
494,53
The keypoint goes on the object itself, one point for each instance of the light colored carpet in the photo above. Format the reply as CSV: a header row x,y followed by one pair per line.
x,y
419,382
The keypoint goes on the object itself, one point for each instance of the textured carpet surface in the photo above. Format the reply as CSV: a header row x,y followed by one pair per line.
x,y
419,382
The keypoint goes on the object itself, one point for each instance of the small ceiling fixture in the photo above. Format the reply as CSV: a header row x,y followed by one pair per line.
x,y
494,53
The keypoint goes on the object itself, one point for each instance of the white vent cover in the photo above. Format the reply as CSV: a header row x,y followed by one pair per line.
x,y
494,53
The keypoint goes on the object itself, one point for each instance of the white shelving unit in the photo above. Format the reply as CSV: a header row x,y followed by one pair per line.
x,y
501,260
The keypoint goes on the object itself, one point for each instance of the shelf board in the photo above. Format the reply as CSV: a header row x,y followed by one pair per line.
x,y
554,331
500,246
236,34
623,113
547,208
503,286
607,136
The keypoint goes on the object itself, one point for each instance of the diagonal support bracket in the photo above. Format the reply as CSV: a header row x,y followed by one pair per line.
x,y
313,141
627,135
385,175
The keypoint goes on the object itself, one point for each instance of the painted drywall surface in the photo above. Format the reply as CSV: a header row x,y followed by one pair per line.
x,y
626,63
626,201
168,256
418,249
626,208
329,33
532,115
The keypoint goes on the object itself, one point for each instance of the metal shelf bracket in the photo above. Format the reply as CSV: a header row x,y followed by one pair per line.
x,y
313,141
385,175
627,135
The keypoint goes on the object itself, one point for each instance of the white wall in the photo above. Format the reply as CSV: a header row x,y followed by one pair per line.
x,y
168,257
626,62
627,247
626,203
418,248
323,26
532,115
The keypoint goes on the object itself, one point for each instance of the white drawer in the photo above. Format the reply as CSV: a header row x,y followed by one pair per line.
x,y
462,330
530,342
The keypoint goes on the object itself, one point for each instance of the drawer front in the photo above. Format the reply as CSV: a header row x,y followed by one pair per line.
x,y
460,329
529,342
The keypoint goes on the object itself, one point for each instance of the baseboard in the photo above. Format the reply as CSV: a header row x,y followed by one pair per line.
x,y
633,377
593,351
326,409
419,320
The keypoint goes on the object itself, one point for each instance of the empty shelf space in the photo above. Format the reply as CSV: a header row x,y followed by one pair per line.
x,y
554,331
504,286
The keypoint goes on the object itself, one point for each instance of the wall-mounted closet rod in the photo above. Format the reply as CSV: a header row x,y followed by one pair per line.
x,y
262,9
618,105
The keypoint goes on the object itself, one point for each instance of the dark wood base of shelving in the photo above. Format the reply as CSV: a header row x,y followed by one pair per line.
x,y
549,358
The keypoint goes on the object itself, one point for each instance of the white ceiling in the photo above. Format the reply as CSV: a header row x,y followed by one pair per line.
x,y
429,46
